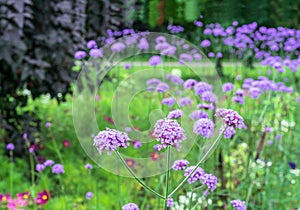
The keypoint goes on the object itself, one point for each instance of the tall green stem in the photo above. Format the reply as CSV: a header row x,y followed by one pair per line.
x,y
198,164
167,177
136,178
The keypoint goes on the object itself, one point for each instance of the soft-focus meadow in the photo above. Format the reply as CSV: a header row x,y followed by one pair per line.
x,y
255,164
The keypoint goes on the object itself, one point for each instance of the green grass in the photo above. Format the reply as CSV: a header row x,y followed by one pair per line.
x,y
273,187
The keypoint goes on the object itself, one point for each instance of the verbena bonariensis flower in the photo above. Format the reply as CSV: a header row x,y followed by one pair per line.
x,y
238,99
168,101
96,53
188,84
88,166
227,87
58,169
91,44
170,202
40,167
153,81
42,197
238,204
198,114
180,164
210,181
155,60
196,176
80,55
202,87
162,87
136,144
143,44
229,132
205,127
169,133
231,118
185,101
89,195
209,96
110,140
127,66
175,79
118,47
130,206
205,43
10,146
175,114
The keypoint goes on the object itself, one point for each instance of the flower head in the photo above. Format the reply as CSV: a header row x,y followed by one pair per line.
x,y
58,169
66,143
204,127
80,55
231,118
180,164
88,166
48,162
169,132
198,114
130,206
10,146
238,204
175,114
170,202
155,60
196,176
40,167
210,181
42,197
168,101
136,144
89,195
110,140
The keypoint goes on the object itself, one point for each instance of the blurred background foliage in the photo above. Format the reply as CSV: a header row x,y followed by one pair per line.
x,y
38,39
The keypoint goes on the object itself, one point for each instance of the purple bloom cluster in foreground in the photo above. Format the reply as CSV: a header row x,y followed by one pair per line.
x,y
196,176
238,204
169,133
110,140
231,118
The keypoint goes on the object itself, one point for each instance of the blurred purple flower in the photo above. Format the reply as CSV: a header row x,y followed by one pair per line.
x,y
10,146
58,169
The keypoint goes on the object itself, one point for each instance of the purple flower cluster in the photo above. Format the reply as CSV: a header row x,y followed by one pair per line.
x,y
174,79
175,114
198,114
227,87
130,206
196,176
180,164
169,133
110,140
210,181
238,204
204,127
168,101
231,118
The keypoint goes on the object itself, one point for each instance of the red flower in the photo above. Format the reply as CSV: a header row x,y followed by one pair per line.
x,y
42,197
66,143
109,120
130,162
154,156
